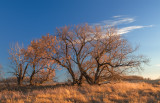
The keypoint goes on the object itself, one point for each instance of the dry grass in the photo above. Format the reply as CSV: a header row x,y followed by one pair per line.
x,y
122,92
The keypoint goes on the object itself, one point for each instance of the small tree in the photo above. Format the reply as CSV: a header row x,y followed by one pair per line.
x,y
42,68
58,51
19,64
44,75
113,55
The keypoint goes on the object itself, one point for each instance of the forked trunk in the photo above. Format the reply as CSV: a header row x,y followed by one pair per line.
x,y
32,77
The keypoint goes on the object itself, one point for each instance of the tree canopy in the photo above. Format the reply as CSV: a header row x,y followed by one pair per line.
x,y
88,53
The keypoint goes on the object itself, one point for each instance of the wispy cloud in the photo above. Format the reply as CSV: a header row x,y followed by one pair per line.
x,y
121,20
130,28
117,21
117,16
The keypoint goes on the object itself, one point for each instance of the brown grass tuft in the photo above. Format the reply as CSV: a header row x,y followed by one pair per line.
x,y
122,92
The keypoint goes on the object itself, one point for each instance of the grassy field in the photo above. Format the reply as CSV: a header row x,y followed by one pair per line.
x,y
114,92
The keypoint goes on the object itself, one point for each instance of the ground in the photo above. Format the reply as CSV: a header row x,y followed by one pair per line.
x,y
114,92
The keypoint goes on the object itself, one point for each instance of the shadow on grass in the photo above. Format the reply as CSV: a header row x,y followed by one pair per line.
x,y
28,88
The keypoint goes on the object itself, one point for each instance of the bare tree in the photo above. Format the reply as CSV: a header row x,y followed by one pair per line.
x,y
18,63
98,53
69,49
113,55
92,52
42,69
77,48
58,50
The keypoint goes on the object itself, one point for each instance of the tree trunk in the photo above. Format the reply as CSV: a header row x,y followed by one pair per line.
x,y
19,81
19,78
88,78
32,77
96,79
72,75
80,80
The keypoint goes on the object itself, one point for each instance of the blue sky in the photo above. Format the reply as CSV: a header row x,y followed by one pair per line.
x,y
137,20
